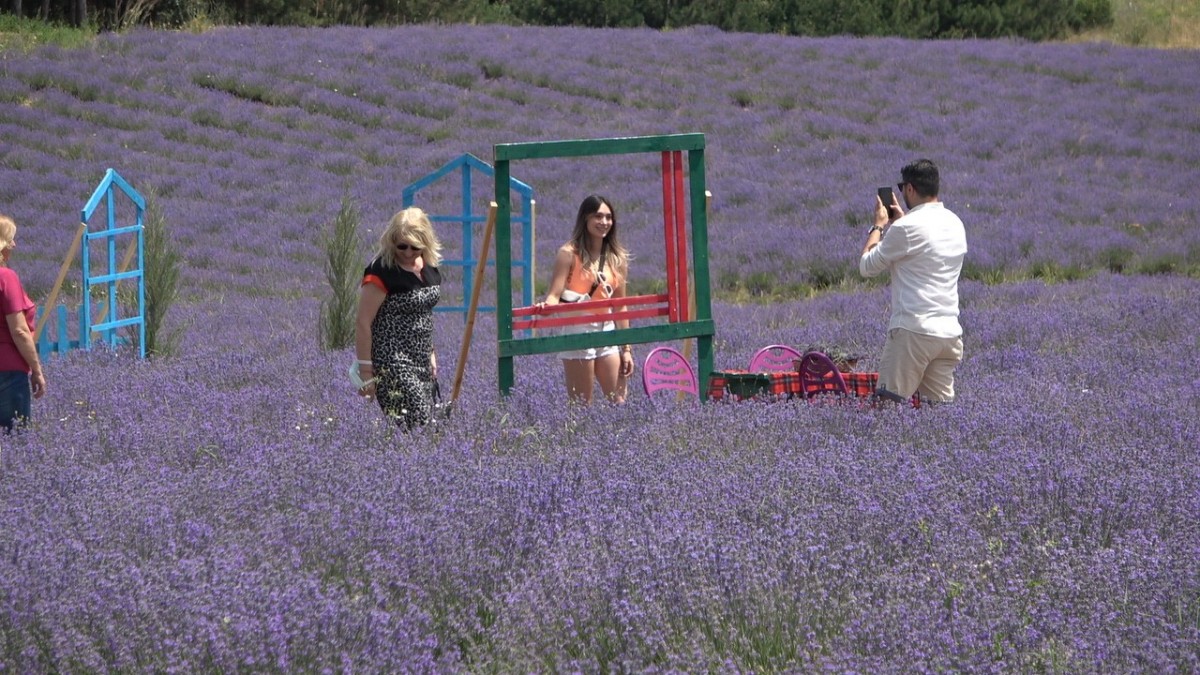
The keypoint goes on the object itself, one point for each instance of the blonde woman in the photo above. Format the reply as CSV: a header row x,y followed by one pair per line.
x,y
394,328
593,265
20,371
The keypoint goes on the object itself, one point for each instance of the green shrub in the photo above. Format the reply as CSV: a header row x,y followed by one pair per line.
x,y
1116,258
1166,263
343,271
162,264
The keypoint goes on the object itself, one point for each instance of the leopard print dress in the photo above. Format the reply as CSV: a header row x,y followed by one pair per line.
x,y
402,340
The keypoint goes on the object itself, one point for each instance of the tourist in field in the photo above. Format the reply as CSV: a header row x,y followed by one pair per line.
x,y
593,265
393,336
923,252
20,370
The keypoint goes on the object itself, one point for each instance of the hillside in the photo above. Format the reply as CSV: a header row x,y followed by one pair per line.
x,y
235,507
1059,156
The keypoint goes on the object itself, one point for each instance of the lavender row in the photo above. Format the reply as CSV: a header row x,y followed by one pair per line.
x,y
269,128
238,510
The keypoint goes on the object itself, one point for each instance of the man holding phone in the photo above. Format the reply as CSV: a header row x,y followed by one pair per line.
x,y
923,251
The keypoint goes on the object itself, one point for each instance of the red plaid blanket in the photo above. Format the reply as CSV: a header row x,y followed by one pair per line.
x,y
739,383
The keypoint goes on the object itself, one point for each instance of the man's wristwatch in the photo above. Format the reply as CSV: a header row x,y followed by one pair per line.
x,y
875,228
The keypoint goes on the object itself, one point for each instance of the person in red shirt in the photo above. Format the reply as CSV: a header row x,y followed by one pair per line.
x,y
20,371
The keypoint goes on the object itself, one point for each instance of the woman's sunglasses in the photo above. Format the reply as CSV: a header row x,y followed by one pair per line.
x,y
608,289
405,247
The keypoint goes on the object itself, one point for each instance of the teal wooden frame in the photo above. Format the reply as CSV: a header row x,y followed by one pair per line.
x,y
469,164
105,192
700,326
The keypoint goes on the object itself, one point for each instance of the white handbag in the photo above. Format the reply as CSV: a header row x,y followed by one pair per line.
x,y
355,378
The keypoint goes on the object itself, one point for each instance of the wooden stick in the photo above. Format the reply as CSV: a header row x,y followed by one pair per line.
x,y
681,266
533,252
476,287
668,186
62,275
687,344
125,262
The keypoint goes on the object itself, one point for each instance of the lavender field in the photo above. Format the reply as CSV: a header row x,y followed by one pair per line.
x,y
236,508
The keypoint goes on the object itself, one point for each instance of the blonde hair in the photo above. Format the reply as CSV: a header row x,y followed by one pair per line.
x,y
8,231
8,235
410,226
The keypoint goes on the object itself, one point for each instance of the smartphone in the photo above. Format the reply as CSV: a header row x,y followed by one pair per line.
x,y
885,196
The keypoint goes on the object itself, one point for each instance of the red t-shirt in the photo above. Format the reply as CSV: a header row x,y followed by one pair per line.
x,y
13,300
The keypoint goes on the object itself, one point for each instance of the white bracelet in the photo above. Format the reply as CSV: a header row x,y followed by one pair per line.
x,y
365,363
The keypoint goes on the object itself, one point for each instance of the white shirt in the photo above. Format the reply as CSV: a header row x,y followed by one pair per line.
x,y
924,252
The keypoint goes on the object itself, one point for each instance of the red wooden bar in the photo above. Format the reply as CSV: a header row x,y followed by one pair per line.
x,y
558,322
681,240
668,236
627,301
541,317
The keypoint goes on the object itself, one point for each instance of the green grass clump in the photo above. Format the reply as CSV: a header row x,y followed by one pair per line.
x,y
20,35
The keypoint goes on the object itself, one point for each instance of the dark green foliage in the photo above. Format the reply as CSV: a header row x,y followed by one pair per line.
x,y
1093,13
162,264
1116,258
606,13
1030,19
343,271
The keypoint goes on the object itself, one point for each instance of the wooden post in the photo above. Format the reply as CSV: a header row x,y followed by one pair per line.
x,y
691,300
681,266
533,253
476,287
669,203
62,275
533,248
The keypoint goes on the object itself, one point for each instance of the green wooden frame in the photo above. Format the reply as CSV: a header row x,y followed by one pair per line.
x,y
700,326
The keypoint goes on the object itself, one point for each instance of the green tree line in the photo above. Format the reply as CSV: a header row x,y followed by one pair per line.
x,y
1030,19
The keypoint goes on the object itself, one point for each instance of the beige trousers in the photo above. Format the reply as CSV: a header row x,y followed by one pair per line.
x,y
924,364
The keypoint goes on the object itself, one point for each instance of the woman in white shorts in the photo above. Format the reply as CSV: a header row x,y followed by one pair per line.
x,y
593,266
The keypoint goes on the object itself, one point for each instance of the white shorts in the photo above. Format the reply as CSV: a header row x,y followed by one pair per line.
x,y
591,353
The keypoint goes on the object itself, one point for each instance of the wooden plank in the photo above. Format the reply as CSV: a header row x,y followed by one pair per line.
x,y
700,277
598,146
532,248
640,335
64,338
125,263
504,319
687,344
681,278
558,322
62,275
700,274
626,301
668,190
476,288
